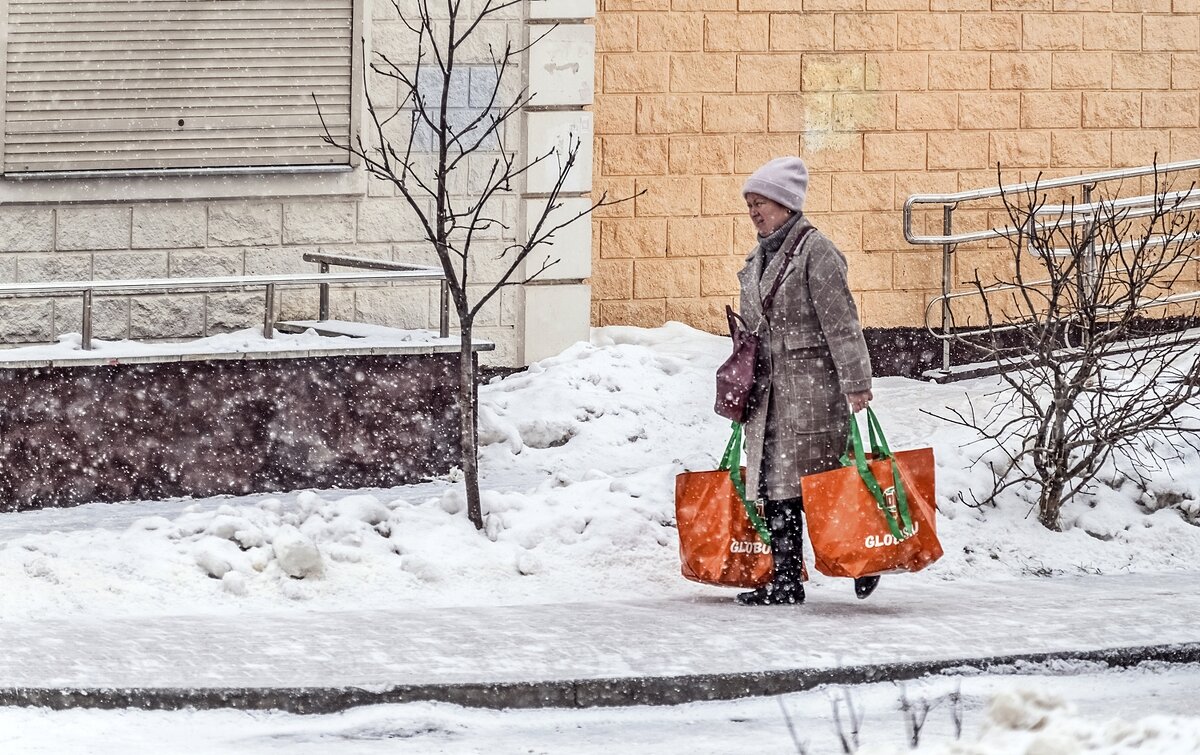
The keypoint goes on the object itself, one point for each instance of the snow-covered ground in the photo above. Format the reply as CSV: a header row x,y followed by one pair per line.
x,y
67,349
579,458
580,454
1066,710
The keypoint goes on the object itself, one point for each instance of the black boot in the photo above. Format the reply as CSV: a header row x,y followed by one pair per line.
x,y
864,586
773,594
787,583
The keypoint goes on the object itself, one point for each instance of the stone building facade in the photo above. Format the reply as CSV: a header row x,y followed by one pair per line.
x,y
165,202
884,99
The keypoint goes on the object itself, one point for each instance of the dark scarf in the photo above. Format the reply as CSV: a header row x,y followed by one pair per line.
x,y
770,244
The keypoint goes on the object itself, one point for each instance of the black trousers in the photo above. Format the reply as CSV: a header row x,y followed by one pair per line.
x,y
786,524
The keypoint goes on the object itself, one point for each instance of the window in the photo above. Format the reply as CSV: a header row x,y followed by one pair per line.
x,y
119,86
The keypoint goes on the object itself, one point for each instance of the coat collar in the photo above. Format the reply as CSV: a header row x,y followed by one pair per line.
x,y
759,281
801,224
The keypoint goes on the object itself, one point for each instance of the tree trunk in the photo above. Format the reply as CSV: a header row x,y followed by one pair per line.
x,y
1050,504
469,425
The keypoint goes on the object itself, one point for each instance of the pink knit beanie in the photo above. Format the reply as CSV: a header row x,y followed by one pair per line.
x,y
784,180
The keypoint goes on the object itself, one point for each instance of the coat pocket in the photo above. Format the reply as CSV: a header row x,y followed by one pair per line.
x,y
805,344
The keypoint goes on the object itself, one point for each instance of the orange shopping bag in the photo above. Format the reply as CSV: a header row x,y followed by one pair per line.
x,y
722,540
876,514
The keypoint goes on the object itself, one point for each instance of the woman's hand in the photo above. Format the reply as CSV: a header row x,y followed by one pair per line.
x,y
858,401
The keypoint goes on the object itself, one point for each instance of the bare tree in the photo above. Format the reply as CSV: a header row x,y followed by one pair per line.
x,y
1089,374
915,713
848,733
429,150
791,727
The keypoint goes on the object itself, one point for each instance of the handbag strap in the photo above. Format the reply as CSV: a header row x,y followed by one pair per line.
x,y
769,299
732,461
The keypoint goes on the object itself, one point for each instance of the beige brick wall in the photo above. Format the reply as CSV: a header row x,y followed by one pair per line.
x,y
883,98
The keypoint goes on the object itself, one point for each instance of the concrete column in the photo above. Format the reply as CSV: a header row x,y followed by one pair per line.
x,y
561,70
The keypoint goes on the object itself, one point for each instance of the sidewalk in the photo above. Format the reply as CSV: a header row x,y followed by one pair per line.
x,y
582,654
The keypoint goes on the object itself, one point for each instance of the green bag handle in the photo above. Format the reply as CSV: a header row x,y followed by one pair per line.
x,y
879,446
879,443
732,461
899,523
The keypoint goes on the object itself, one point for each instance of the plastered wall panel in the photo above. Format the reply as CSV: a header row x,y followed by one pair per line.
x,y
568,253
561,64
555,318
559,132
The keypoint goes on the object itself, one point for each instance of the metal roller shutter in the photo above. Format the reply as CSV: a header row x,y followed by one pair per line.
x,y
149,84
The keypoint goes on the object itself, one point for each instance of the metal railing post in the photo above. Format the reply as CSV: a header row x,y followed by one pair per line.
x,y
1089,267
85,330
1087,283
947,283
444,315
323,307
269,317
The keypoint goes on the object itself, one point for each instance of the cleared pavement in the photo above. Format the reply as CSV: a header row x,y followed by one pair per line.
x,y
582,654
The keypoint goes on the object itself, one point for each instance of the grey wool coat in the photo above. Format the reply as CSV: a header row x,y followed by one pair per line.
x,y
813,353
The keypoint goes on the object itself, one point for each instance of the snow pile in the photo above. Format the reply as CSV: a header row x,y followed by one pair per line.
x,y
597,538
1033,722
631,399
638,398
579,458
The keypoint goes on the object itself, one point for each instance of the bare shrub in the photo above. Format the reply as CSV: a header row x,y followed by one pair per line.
x,y
1090,375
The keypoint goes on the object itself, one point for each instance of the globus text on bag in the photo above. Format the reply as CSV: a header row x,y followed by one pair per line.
x,y
883,541
748,546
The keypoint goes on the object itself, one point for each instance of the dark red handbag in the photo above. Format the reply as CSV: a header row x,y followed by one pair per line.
x,y
735,377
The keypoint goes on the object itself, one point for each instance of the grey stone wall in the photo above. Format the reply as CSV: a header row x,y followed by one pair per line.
x,y
208,238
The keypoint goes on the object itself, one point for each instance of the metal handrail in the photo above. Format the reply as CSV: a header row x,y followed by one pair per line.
x,y
1129,207
218,283
1059,252
1134,207
229,282
1141,303
1053,183
324,261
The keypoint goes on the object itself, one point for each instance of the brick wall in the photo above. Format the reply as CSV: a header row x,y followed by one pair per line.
x,y
883,98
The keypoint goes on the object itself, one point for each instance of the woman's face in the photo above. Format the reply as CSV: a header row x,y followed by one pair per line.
x,y
766,214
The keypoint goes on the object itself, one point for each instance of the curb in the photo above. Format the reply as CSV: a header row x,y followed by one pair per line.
x,y
582,693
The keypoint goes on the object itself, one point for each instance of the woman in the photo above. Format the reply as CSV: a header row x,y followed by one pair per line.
x,y
812,371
